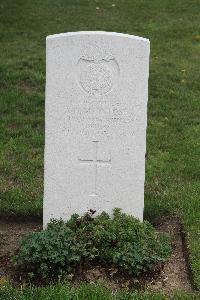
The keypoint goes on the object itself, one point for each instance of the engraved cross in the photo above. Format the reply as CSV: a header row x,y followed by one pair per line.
x,y
95,162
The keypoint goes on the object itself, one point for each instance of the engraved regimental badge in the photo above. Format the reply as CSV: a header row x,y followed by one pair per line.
x,y
98,71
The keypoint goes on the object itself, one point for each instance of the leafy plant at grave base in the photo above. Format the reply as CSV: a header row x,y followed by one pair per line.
x,y
122,241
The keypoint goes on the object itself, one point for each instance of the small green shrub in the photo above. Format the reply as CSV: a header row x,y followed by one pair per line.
x,y
122,241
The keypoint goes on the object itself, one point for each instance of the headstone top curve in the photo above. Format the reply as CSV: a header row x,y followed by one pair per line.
x,y
116,34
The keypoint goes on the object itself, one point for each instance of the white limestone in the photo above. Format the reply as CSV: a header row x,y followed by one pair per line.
x,y
96,116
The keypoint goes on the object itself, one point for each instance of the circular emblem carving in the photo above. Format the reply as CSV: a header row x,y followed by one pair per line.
x,y
96,79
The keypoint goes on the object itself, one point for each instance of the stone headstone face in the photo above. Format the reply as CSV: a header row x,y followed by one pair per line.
x,y
95,126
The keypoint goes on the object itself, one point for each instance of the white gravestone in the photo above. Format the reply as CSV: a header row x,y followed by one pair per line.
x,y
96,117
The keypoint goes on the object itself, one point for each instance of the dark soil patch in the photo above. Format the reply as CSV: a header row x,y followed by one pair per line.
x,y
26,87
11,234
174,275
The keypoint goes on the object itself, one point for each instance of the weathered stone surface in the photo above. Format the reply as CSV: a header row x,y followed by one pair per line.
x,y
96,116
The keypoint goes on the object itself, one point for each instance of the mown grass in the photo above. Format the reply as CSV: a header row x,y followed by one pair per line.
x,y
83,292
173,143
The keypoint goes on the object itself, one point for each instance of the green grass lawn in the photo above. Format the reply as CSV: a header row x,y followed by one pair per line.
x,y
173,135
83,292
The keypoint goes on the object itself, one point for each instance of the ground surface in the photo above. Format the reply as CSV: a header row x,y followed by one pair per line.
x,y
174,276
173,143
